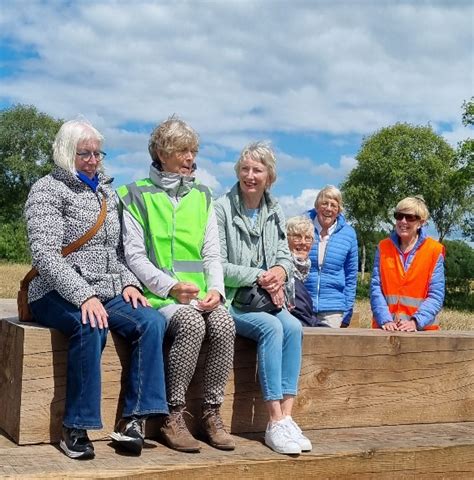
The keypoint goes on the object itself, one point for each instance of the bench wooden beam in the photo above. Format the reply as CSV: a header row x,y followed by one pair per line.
x,y
350,378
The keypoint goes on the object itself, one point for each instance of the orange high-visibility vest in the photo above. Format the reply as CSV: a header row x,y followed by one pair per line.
x,y
405,291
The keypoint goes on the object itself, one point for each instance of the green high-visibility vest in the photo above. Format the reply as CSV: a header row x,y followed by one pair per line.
x,y
174,234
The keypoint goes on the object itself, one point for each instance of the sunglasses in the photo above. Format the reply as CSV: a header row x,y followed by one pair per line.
x,y
408,216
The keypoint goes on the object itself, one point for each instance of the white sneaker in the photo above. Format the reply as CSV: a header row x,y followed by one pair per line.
x,y
296,434
278,439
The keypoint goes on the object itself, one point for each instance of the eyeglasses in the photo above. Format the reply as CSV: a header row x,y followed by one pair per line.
x,y
301,238
408,216
185,151
86,155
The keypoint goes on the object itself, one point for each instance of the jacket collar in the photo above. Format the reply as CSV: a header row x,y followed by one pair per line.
x,y
174,184
71,180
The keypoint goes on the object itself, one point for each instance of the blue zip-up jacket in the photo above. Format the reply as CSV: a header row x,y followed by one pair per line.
x,y
333,287
431,305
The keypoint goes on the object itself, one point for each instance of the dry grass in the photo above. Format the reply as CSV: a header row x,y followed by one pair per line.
x,y
11,274
449,319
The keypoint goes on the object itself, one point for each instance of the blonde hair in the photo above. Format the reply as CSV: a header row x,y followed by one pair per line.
x,y
172,135
299,226
66,140
259,152
415,205
329,192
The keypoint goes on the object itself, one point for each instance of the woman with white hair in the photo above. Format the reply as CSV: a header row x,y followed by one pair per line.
x,y
407,285
257,264
90,291
332,279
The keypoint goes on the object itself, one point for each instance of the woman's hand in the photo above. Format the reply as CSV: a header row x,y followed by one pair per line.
x,y
93,311
132,294
211,301
390,327
407,325
184,292
273,279
278,297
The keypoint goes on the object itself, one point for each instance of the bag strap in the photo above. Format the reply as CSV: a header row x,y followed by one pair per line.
x,y
72,246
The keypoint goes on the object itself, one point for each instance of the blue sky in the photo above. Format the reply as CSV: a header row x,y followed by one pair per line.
x,y
313,77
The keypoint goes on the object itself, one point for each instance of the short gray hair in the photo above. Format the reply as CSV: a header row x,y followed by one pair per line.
x,y
329,192
259,152
66,140
299,225
172,135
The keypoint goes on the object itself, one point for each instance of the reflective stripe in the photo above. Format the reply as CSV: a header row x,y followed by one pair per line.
x,y
205,190
188,266
404,300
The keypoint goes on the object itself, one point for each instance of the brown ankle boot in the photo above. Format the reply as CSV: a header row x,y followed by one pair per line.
x,y
213,428
176,433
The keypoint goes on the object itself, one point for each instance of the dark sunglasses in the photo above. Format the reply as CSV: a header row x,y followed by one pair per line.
x,y
408,216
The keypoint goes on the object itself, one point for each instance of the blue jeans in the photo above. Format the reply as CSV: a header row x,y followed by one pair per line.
x,y
143,328
279,340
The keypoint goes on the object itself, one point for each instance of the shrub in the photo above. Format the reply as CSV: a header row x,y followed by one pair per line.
x,y
14,243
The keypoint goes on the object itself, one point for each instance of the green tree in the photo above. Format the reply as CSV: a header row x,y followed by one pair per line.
x,y
466,155
26,136
405,160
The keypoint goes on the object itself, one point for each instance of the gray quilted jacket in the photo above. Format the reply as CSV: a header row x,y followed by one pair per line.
x,y
59,209
237,247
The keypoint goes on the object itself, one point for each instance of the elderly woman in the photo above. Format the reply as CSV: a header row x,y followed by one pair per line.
x,y
172,244
254,250
332,279
300,232
407,286
90,291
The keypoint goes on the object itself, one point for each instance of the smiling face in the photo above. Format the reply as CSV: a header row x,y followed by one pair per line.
x,y
328,210
178,162
253,178
407,226
300,244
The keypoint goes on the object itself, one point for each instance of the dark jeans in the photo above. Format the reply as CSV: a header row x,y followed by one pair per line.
x,y
143,328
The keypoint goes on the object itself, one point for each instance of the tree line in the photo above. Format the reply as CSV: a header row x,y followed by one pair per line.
x,y
395,162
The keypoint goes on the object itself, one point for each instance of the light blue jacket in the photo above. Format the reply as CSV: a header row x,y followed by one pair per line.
x,y
333,286
237,246
430,307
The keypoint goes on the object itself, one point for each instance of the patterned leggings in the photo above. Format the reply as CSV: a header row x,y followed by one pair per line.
x,y
189,327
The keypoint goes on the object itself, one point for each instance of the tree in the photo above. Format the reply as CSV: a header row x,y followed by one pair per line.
x,y
405,160
26,137
466,155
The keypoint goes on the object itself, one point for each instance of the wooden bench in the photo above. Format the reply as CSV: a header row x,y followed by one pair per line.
x,y
349,378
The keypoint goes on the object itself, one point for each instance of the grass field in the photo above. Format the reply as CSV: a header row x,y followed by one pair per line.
x,y
11,274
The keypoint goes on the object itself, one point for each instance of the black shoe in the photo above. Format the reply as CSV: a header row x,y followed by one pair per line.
x,y
76,444
129,434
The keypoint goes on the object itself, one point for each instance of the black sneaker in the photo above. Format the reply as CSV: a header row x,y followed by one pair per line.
x,y
129,434
76,444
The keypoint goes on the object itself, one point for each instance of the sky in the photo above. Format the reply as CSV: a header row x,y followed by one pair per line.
x,y
313,77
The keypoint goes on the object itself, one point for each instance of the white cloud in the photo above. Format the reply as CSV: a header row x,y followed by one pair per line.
x,y
238,71
297,205
335,173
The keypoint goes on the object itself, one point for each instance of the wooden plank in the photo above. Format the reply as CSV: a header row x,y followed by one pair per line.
x,y
349,377
427,452
11,372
